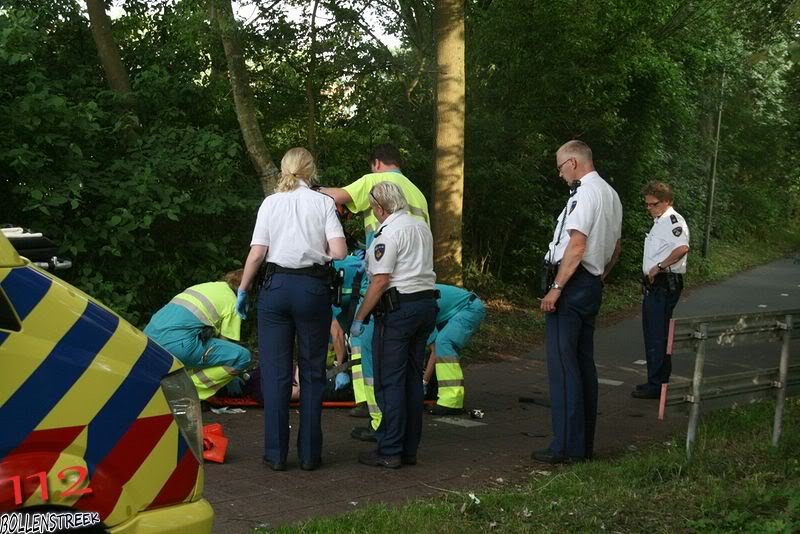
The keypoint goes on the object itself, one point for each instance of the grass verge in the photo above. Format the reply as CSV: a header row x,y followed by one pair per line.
x,y
514,324
736,482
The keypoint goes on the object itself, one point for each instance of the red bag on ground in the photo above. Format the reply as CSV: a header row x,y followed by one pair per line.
x,y
215,444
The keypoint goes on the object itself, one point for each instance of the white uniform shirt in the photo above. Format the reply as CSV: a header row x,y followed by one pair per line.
x,y
595,211
403,248
296,226
668,233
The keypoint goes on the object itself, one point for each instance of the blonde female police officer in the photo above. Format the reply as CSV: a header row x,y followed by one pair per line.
x,y
401,293
298,233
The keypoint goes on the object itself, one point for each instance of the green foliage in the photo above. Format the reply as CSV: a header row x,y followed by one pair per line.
x,y
140,219
156,193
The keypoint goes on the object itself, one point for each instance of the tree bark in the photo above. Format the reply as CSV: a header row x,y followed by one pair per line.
x,y
116,75
243,97
311,100
448,185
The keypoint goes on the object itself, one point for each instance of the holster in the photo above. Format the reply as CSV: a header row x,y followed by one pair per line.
x,y
336,283
671,282
263,277
389,301
548,276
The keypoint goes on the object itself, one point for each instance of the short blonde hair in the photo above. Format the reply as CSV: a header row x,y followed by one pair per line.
x,y
297,164
388,196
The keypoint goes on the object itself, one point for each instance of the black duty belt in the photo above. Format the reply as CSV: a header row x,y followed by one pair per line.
x,y
419,295
317,271
668,280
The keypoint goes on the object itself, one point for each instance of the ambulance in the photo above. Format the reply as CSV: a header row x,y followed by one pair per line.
x,y
99,426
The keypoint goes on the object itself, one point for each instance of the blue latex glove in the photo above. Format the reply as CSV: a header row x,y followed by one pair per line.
x,y
235,386
360,254
357,328
241,303
342,380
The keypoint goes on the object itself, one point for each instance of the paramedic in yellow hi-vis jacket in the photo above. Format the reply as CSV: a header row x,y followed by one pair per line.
x,y
384,162
189,327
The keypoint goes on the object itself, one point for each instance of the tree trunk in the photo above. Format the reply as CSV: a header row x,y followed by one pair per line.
x,y
311,99
116,75
243,97
448,185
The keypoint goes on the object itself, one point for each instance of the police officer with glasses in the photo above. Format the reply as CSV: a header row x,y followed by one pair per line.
x,y
298,233
583,251
402,301
664,263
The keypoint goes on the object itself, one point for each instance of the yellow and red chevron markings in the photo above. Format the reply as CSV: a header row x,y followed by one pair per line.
x,y
86,397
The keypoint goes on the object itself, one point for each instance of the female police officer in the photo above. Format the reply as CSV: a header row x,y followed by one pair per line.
x,y
401,292
298,232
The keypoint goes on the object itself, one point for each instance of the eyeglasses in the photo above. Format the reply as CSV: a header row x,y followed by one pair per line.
x,y
653,204
558,167
375,200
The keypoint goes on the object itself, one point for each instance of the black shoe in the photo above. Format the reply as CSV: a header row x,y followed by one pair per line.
x,y
549,457
408,460
363,433
275,466
372,458
361,410
642,386
310,466
437,409
645,394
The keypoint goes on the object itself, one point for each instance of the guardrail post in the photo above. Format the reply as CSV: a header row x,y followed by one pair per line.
x,y
694,415
783,374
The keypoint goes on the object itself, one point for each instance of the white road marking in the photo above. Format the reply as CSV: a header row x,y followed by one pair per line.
x,y
784,294
640,362
639,372
457,421
762,305
609,382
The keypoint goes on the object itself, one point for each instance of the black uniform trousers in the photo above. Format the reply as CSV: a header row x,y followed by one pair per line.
x,y
293,306
398,351
571,370
657,307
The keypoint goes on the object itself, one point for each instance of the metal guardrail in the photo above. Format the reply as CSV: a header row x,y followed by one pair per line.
x,y
738,388
698,334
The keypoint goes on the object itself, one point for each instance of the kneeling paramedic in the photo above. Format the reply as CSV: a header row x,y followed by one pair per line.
x,y
190,326
460,315
402,300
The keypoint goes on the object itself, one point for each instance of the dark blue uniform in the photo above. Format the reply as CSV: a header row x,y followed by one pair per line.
x,y
293,305
657,307
398,346
403,249
668,234
595,211
570,363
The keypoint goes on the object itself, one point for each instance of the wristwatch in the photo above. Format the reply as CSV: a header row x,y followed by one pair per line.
x,y
660,267
555,285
